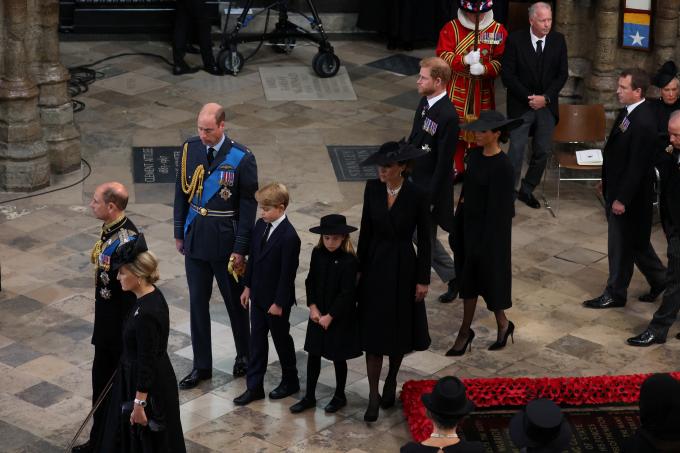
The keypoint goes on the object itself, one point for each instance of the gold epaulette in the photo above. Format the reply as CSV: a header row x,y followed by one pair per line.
x,y
196,185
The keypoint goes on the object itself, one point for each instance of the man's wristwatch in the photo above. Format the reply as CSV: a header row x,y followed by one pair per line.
x,y
141,403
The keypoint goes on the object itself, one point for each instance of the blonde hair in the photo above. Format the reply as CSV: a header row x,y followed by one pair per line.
x,y
145,266
346,245
439,68
274,194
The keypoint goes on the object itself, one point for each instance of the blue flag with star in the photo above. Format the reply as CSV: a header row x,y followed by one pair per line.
x,y
636,30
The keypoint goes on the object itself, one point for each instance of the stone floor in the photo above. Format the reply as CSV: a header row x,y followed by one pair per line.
x,y
46,299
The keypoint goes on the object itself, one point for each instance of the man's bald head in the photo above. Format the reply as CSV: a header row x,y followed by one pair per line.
x,y
116,193
210,124
674,129
109,201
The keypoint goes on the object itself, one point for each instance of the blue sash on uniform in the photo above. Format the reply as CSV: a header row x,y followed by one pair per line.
x,y
212,185
105,255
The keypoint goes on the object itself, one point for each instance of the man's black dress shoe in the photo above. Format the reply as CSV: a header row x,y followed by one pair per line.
x,y
646,338
284,390
302,405
183,68
451,292
240,367
192,379
652,294
83,448
604,301
529,200
214,70
335,404
249,396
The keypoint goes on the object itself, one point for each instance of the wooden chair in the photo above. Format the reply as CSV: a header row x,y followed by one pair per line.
x,y
579,124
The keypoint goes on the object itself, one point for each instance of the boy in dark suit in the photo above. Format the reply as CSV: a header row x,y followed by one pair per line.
x,y
270,286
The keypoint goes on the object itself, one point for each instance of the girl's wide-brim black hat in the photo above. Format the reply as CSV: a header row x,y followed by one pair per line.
x,y
448,398
667,72
491,120
540,426
393,152
333,224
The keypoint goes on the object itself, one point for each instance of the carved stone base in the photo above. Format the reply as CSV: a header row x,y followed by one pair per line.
x,y
26,174
62,138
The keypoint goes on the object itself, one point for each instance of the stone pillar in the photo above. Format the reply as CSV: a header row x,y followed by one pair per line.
x,y
666,31
56,111
24,165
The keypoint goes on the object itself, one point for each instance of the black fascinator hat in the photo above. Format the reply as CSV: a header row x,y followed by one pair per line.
x,y
128,251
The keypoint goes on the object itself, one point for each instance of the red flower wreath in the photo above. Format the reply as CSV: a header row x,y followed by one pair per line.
x,y
508,392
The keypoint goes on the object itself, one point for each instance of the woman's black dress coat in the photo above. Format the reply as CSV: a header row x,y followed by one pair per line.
x,y
390,267
145,367
482,241
331,286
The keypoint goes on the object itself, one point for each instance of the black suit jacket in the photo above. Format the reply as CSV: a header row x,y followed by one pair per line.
x,y
627,172
669,170
522,77
271,270
215,238
434,171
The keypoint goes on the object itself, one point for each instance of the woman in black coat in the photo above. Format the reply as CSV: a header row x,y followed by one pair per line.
x,y
143,414
394,278
483,229
331,290
669,101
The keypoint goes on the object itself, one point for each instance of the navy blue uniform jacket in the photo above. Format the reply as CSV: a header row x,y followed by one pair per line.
x,y
271,270
215,238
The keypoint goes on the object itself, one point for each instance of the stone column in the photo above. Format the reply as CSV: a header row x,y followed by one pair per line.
x,y
56,112
24,165
601,84
666,31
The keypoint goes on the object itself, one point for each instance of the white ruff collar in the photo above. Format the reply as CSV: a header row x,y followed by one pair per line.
x,y
485,20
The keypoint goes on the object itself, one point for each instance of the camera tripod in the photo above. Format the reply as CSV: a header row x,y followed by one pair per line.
x,y
283,38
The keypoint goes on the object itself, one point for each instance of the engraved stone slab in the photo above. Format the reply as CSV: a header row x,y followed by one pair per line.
x,y
300,83
346,160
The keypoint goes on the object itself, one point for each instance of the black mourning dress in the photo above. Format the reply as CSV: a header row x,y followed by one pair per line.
x,y
484,225
145,366
390,269
663,114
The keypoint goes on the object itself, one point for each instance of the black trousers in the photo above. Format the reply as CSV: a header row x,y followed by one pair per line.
x,y
200,275
261,323
666,314
192,15
624,253
104,365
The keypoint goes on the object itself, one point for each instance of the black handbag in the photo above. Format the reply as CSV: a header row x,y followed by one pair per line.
x,y
421,331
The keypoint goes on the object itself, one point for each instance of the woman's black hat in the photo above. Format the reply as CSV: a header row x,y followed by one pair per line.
x,y
660,406
127,252
392,152
541,427
333,224
448,398
491,120
666,73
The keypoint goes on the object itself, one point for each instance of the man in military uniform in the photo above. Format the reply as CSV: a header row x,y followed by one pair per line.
x,y
214,213
668,164
111,302
471,88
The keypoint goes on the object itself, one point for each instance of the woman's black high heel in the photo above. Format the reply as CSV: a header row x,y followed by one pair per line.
x,y
508,333
372,410
389,394
456,352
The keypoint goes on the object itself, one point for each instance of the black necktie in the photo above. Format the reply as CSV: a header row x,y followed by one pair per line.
x,y
539,48
211,155
265,236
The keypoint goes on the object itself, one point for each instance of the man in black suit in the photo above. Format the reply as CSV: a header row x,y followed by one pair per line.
x,y
668,164
534,72
111,303
627,187
214,213
192,15
270,286
435,130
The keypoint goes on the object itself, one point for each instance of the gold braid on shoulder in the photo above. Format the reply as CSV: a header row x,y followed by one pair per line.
x,y
196,185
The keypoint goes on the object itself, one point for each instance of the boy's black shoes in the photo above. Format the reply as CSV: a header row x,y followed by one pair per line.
x,y
249,396
284,390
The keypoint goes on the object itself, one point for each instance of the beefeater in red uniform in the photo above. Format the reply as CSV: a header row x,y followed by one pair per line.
x,y
471,87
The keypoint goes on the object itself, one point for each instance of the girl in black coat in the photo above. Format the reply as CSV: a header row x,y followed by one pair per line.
x,y
331,289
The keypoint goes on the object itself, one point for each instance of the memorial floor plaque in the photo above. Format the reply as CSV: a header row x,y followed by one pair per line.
x,y
346,160
592,430
155,164
300,83
399,63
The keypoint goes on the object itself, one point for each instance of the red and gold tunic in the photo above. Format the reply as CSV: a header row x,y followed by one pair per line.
x,y
471,94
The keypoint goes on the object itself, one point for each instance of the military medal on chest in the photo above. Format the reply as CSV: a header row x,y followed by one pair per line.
x,y
105,293
226,180
104,277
